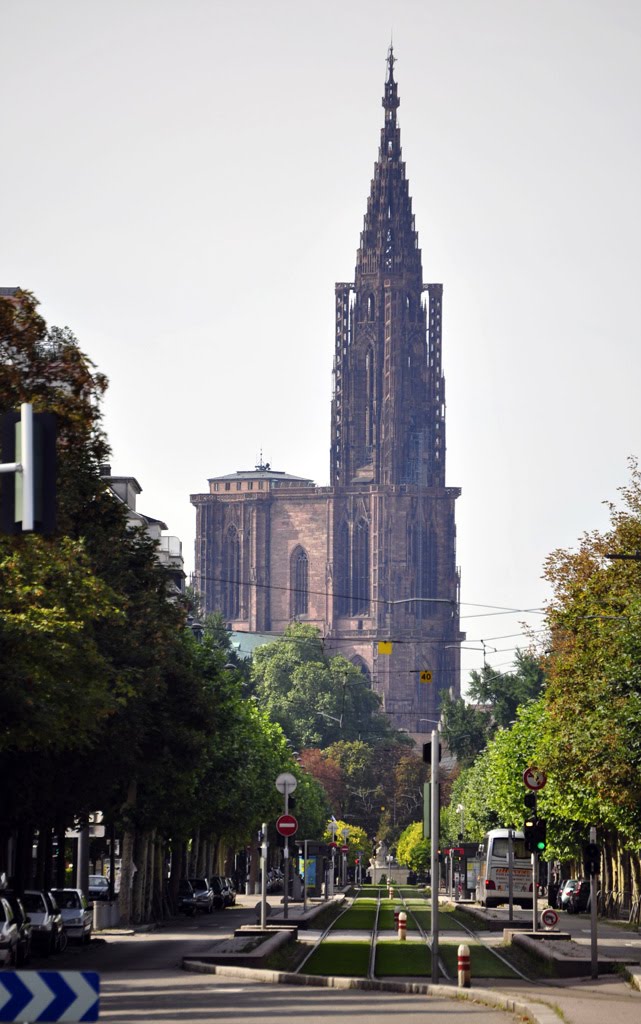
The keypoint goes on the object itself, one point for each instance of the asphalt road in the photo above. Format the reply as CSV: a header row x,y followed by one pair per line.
x,y
142,980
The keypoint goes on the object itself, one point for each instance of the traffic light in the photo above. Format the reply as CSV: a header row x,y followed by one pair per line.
x,y
42,480
592,859
427,752
357,860
530,802
535,835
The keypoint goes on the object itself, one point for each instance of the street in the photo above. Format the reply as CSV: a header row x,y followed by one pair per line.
x,y
142,978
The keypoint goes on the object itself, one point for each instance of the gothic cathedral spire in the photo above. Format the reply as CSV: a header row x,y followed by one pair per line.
x,y
388,423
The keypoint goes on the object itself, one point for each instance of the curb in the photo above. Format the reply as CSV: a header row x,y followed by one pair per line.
x,y
541,1014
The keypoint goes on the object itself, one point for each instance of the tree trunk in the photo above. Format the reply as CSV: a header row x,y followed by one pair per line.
x,y
193,859
151,877
140,876
127,866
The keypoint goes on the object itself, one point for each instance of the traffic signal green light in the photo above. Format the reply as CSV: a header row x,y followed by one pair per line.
x,y
534,831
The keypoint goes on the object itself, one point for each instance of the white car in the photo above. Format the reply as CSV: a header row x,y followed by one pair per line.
x,y
8,935
47,931
77,918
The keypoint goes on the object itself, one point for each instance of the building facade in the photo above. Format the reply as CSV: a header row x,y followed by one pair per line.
x,y
372,557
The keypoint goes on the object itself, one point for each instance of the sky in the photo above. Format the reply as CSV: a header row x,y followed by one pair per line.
x,y
183,181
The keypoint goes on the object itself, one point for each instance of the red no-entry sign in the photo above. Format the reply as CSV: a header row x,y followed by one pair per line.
x,y
287,825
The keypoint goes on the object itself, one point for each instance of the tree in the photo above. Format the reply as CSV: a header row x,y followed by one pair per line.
x,y
317,700
594,690
413,850
466,728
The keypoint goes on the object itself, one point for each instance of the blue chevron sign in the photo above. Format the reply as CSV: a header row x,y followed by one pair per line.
x,y
49,996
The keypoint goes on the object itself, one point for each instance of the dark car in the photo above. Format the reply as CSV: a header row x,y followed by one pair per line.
x,y
579,899
23,923
221,893
186,897
232,889
203,894
98,888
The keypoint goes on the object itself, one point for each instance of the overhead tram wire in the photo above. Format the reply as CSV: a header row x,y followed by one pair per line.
x,y
495,609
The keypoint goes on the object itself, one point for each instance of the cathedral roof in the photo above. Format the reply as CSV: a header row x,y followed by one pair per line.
x,y
263,473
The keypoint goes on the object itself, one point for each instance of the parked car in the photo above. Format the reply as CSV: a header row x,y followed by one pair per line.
x,y
579,899
221,893
564,892
203,894
8,935
232,890
47,931
98,887
186,897
23,923
77,917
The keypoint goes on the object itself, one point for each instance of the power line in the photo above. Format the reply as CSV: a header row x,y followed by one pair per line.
x,y
495,609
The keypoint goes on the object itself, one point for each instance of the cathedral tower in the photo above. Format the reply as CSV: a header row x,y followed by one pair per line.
x,y
372,557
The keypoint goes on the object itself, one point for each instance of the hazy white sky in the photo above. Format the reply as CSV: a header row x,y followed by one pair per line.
x,y
183,182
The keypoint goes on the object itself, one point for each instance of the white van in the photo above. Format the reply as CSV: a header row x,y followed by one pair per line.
x,y
492,884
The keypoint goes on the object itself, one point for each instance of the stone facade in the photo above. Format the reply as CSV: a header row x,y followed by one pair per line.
x,y
372,557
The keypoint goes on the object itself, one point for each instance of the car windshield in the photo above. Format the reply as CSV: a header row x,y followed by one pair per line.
x,y
34,903
67,900
98,881
216,885
199,883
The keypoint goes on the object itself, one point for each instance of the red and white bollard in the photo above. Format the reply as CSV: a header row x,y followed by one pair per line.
x,y
464,971
390,893
402,926
397,911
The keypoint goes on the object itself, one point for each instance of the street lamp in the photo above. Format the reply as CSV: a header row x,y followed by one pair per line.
x,y
461,810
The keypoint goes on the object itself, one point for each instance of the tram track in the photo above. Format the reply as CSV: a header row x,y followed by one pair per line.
x,y
407,899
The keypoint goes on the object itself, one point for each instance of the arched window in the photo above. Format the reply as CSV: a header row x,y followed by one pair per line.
x,y
369,397
358,663
299,575
360,568
342,570
371,307
231,573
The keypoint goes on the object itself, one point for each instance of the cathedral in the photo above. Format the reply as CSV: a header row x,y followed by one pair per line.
x,y
371,559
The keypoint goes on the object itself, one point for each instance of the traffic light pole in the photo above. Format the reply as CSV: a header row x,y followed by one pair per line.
x,y
434,839
535,891
594,949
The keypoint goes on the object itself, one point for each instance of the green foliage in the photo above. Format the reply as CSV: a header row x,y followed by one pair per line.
x,y
317,700
584,728
594,692
103,692
357,840
412,849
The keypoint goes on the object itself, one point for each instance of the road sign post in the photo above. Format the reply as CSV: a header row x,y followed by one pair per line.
x,y
434,853
594,949
286,783
534,779
263,876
